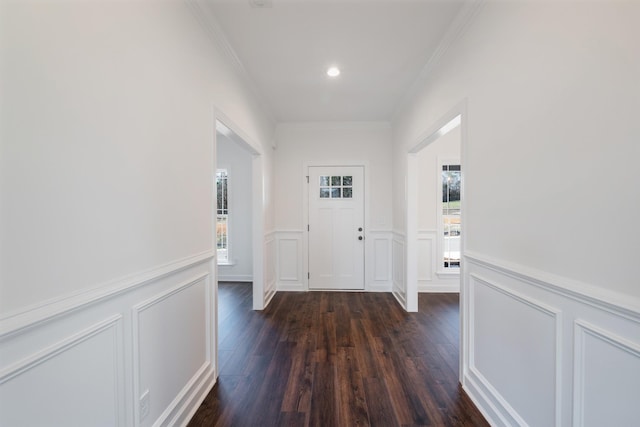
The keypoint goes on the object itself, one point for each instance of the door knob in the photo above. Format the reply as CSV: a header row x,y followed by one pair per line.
x,y
360,237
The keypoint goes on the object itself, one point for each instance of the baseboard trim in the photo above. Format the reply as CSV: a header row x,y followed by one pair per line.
x,y
176,409
484,404
400,298
234,277
198,396
290,287
378,287
436,288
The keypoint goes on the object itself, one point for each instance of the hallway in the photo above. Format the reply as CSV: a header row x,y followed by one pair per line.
x,y
337,359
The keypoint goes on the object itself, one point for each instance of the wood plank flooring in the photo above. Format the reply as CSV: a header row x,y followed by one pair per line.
x,y
337,359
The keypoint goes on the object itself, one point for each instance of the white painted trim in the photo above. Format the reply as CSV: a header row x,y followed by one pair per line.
x,y
230,208
270,259
582,328
431,134
61,346
543,308
136,311
260,299
399,296
481,383
175,411
484,404
441,271
203,14
398,286
439,288
113,323
604,299
305,208
234,277
374,281
457,27
38,313
197,397
411,243
239,136
297,282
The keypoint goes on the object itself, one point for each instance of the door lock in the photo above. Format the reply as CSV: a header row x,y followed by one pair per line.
x,y
359,228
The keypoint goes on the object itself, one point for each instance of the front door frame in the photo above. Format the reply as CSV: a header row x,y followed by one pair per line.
x,y
305,213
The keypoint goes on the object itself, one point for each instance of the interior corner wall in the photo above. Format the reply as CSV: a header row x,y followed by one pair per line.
x,y
237,161
106,129
332,143
549,291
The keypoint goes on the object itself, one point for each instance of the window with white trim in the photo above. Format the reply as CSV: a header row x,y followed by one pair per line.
x,y
222,220
451,180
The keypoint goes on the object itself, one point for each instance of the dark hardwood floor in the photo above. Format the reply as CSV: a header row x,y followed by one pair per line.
x,y
337,359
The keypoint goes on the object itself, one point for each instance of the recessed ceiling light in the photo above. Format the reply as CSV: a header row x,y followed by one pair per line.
x,y
333,72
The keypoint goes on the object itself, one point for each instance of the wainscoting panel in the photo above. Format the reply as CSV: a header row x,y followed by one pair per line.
x,y
87,369
289,261
545,350
524,374
86,359
163,346
620,379
429,279
378,264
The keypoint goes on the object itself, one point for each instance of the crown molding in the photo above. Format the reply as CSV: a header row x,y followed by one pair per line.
x,y
457,27
209,23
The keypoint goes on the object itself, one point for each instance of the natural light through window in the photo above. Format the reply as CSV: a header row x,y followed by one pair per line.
x,y
451,215
222,221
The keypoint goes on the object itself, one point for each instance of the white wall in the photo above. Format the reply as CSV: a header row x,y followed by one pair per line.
x,y
107,129
332,143
237,160
551,97
429,245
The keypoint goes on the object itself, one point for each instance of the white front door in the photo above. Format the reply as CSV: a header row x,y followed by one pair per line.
x,y
336,227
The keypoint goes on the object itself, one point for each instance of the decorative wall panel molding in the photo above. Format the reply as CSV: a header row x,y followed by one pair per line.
x,y
93,389
48,310
551,338
429,278
594,349
378,263
89,353
160,346
289,263
500,316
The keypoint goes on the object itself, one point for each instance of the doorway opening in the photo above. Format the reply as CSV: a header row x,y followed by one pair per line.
x,y
436,214
236,221
438,211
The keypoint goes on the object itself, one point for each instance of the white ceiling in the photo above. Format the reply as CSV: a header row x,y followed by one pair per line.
x,y
380,46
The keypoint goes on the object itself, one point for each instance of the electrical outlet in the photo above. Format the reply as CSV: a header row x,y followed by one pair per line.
x,y
144,405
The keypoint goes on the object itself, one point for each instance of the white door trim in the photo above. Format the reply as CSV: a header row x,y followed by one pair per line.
x,y
260,300
411,266
305,213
